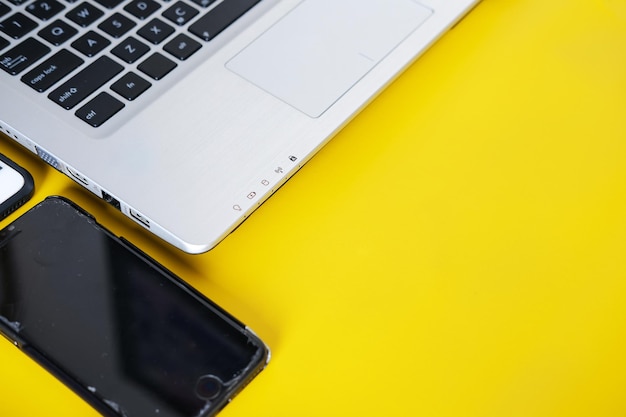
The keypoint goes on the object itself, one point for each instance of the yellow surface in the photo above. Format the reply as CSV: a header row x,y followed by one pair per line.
x,y
458,250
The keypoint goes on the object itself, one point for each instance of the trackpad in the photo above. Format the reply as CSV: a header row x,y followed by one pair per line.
x,y
318,51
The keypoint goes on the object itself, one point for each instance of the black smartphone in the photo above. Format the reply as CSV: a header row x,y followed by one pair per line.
x,y
16,186
123,332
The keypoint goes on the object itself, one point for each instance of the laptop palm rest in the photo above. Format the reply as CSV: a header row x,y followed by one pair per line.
x,y
318,51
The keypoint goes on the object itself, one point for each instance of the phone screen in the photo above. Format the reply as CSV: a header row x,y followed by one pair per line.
x,y
114,325
10,182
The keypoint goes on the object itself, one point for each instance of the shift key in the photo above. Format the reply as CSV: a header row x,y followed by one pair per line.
x,y
81,85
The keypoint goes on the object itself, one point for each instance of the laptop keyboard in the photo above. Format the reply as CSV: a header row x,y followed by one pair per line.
x,y
97,57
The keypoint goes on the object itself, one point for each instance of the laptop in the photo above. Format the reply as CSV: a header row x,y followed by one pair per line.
x,y
186,115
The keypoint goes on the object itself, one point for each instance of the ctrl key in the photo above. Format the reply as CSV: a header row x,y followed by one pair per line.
x,y
99,109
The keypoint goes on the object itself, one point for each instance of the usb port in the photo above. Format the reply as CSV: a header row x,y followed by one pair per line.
x,y
77,177
139,218
111,200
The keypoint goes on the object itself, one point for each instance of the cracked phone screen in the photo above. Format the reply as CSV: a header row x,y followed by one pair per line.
x,y
119,330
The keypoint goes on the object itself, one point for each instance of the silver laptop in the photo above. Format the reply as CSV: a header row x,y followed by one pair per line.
x,y
187,114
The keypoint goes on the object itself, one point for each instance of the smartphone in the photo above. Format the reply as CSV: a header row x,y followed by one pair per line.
x,y
123,332
16,186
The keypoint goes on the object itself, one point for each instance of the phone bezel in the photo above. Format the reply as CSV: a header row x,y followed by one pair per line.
x,y
16,186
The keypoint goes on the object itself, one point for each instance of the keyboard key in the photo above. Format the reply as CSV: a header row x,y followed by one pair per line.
x,y
182,46
142,8
117,25
99,109
130,86
49,72
204,3
155,31
157,66
3,43
18,2
84,14
17,25
22,56
216,20
4,9
57,32
91,43
180,13
130,50
81,85
45,9
109,4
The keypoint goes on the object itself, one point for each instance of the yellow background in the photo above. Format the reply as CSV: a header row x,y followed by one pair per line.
x,y
459,249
